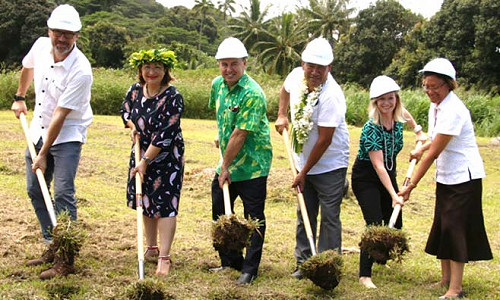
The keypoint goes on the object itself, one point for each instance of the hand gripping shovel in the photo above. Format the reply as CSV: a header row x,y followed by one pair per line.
x,y
397,208
384,243
324,269
138,208
39,173
300,196
230,232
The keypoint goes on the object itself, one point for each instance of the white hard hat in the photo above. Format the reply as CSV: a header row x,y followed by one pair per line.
x,y
440,66
382,85
65,17
231,48
319,52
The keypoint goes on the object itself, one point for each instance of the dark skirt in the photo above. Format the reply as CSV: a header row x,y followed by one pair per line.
x,y
458,231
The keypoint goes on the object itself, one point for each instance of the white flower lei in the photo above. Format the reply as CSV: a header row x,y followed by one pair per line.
x,y
302,118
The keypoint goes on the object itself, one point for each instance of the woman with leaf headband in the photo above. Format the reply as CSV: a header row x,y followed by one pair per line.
x,y
152,109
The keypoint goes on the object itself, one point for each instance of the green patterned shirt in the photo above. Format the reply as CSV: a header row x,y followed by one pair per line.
x,y
374,138
243,107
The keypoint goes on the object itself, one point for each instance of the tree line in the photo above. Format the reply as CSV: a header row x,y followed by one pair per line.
x,y
384,38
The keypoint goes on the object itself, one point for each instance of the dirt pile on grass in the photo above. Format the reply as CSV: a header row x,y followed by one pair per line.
x,y
232,232
383,243
324,269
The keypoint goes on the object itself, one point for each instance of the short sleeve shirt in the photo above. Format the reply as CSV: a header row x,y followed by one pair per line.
x,y
243,107
329,112
460,160
65,84
375,138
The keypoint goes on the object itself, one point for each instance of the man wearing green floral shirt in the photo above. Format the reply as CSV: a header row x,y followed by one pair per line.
x,y
244,140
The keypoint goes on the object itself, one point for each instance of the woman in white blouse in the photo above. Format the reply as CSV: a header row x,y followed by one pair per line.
x,y
457,235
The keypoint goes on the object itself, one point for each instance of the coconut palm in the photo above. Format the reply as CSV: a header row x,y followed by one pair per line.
x,y
250,24
328,18
226,7
280,52
202,6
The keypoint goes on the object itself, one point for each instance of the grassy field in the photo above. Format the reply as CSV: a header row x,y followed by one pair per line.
x,y
106,268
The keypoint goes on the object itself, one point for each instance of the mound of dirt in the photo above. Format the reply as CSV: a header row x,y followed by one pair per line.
x,y
323,269
232,232
383,243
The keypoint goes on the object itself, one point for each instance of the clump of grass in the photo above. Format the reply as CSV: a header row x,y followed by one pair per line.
x,y
69,235
148,290
232,232
62,290
383,243
324,269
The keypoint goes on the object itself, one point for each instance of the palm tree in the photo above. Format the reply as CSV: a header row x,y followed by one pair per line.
x,y
280,53
202,6
250,24
328,18
226,7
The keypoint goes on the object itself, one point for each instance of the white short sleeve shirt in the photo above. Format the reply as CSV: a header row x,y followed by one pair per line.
x,y
460,160
329,112
65,84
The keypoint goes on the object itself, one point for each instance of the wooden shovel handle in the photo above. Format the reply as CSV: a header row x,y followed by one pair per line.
x,y
39,174
139,210
300,196
409,173
225,193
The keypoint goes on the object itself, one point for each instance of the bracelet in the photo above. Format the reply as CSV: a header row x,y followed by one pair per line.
x,y
19,98
147,160
417,128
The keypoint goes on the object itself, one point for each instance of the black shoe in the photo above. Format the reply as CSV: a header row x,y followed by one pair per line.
x,y
297,274
245,278
218,269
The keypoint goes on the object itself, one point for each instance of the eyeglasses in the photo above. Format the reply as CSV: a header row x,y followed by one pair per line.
x,y
67,34
432,88
154,68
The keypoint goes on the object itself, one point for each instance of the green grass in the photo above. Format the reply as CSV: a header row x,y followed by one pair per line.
x,y
107,266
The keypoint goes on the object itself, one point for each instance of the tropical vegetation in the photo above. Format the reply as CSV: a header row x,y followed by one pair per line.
x,y
383,38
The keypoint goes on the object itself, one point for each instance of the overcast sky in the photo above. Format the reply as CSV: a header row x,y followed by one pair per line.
x,y
427,8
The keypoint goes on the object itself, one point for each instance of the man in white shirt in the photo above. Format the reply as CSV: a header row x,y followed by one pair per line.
x,y
321,145
62,78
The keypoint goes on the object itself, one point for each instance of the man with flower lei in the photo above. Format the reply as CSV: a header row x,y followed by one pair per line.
x,y
320,142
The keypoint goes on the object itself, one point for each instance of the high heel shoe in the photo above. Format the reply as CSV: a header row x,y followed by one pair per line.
x,y
164,264
151,254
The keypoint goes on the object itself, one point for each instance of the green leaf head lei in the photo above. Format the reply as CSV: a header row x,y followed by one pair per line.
x,y
164,56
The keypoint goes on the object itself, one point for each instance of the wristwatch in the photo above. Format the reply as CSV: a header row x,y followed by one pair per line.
x,y
19,98
147,160
417,128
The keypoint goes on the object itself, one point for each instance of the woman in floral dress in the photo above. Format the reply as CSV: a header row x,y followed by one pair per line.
x,y
152,109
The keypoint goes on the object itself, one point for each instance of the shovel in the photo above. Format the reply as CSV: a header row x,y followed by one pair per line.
x,y
230,232
324,269
300,196
397,208
39,174
383,243
138,208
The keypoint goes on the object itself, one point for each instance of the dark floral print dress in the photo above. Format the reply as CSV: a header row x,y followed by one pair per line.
x,y
157,120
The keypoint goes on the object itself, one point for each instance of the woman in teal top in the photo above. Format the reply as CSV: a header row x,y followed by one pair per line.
x,y
374,171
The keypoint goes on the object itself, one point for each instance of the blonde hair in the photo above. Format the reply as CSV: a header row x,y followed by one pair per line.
x,y
374,113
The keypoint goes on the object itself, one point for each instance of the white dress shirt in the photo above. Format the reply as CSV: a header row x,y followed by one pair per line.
x,y
65,84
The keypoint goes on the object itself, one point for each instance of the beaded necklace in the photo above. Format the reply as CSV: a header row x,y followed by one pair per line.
x,y
385,150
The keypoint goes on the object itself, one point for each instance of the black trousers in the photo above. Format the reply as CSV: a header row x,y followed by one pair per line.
x,y
253,195
375,203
